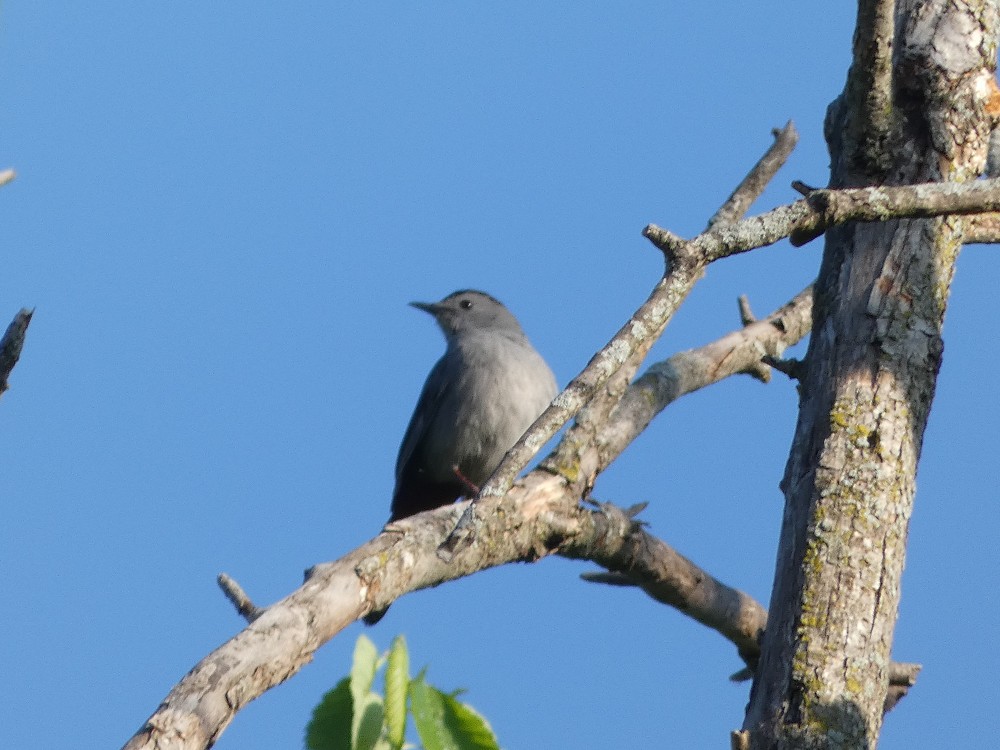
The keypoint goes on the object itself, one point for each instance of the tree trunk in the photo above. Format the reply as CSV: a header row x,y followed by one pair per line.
x,y
917,107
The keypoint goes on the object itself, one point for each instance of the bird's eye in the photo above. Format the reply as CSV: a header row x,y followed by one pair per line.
x,y
465,304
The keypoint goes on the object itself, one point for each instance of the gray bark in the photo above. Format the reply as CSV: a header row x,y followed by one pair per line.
x,y
916,108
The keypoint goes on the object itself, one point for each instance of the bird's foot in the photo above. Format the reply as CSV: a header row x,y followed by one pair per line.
x,y
473,490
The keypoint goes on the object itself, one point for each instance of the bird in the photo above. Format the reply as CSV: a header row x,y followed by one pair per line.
x,y
488,387
486,390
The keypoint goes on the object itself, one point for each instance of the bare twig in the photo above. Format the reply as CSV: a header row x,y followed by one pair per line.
x,y
758,178
746,313
790,367
7,175
685,372
902,676
12,343
758,370
239,599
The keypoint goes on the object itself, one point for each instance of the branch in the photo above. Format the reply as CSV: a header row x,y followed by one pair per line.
x,y
740,351
869,83
614,366
982,229
642,560
759,370
6,176
685,268
758,178
834,207
667,577
540,517
12,343
820,210
238,598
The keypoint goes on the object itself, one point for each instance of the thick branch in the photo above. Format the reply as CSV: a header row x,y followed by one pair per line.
x,y
835,207
869,84
540,517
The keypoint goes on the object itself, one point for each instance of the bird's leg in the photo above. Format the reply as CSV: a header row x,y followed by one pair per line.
x,y
469,485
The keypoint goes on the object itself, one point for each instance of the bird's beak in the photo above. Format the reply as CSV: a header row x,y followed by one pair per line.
x,y
427,307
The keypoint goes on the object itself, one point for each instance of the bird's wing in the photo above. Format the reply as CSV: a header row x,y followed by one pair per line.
x,y
428,405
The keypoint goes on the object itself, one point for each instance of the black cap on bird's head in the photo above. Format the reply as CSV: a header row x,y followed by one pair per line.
x,y
469,310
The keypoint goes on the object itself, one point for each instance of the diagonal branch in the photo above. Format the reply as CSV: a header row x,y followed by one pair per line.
x,y
737,352
758,178
541,517
613,367
664,575
281,639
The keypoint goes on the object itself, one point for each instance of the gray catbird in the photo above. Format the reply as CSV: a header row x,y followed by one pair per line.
x,y
481,396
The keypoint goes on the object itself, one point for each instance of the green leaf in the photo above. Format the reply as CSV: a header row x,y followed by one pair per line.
x,y
362,676
445,723
364,666
369,716
428,715
330,726
469,726
397,680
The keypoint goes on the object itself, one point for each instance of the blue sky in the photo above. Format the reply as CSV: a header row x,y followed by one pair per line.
x,y
220,214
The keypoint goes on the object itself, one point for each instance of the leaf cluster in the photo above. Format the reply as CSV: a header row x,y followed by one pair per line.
x,y
352,716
